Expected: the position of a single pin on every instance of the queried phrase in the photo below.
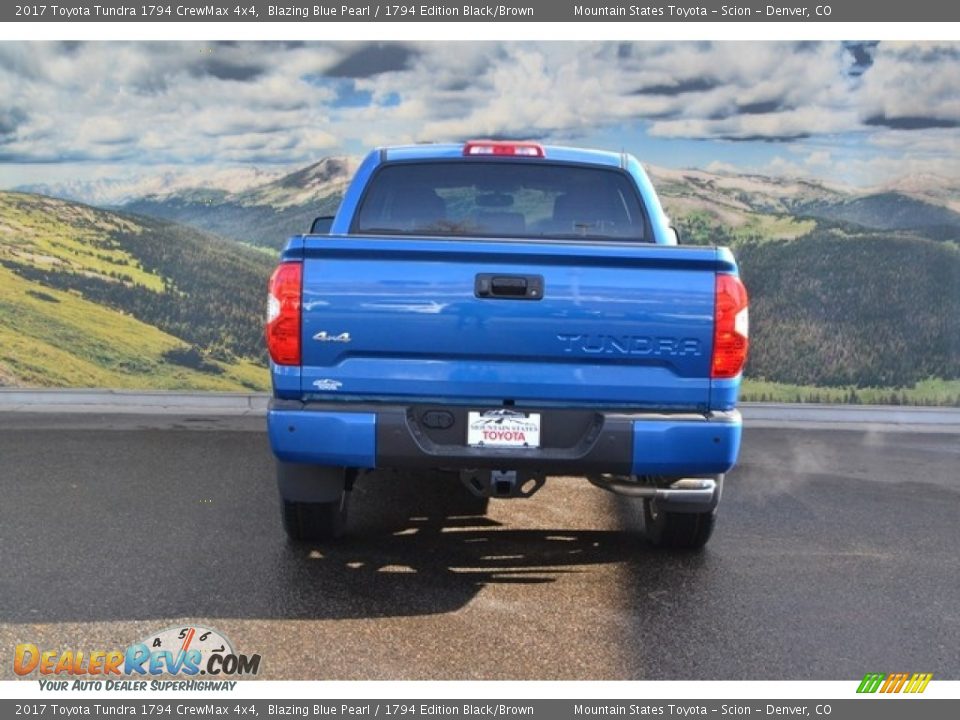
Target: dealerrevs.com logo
(186, 651)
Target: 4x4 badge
(324, 336)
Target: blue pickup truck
(505, 311)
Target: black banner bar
(480, 11)
(366, 709)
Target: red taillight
(731, 328)
(283, 314)
(500, 148)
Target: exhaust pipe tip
(682, 495)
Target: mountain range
(263, 215)
(709, 205)
(263, 208)
(755, 205)
(115, 191)
(849, 287)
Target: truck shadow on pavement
(424, 545)
(415, 547)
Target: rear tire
(315, 500)
(312, 521)
(677, 531)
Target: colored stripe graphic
(895, 683)
(870, 683)
(918, 683)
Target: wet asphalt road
(836, 553)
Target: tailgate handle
(511, 287)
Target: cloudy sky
(856, 113)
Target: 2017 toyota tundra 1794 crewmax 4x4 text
(505, 311)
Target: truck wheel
(305, 522)
(315, 501)
(677, 531)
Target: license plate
(503, 428)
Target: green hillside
(866, 310)
(90, 298)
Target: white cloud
(266, 103)
(913, 80)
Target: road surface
(836, 553)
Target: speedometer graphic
(182, 639)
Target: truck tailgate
(421, 320)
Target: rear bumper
(574, 442)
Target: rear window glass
(501, 199)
